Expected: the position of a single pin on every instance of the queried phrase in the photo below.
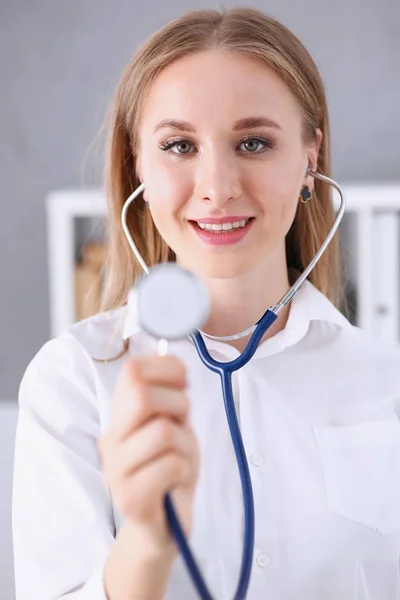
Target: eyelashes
(265, 143)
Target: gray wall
(59, 63)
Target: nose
(217, 179)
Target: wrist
(155, 547)
(139, 564)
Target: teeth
(225, 227)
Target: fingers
(143, 404)
(158, 457)
(157, 437)
(139, 495)
(148, 386)
(157, 370)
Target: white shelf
(371, 197)
(376, 246)
(63, 208)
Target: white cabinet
(372, 252)
(65, 209)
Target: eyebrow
(247, 123)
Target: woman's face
(220, 139)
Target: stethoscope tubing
(225, 371)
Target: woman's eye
(253, 145)
(182, 147)
(177, 147)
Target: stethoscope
(172, 304)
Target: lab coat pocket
(362, 472)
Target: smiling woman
(219, 137)
(222, 113)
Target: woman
(219, 115)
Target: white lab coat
(318, 407)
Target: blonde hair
(245, 31)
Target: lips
(222, 237)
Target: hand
(149, 448)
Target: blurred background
(59, 65)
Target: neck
(238, 303)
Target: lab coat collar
(308, 305)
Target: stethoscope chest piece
(172, 302)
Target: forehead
(215, 87)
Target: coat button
(256, 459)
(263, 560)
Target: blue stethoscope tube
(225, 371)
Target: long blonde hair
(244, 31)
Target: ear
(312, 155)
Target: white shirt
(318, 407)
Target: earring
(305, 195)
(147, 203)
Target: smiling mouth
(222, 234)
(225, 228)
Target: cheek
(288, 213)
(165, 189)
(280, 204)
(167, 193)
